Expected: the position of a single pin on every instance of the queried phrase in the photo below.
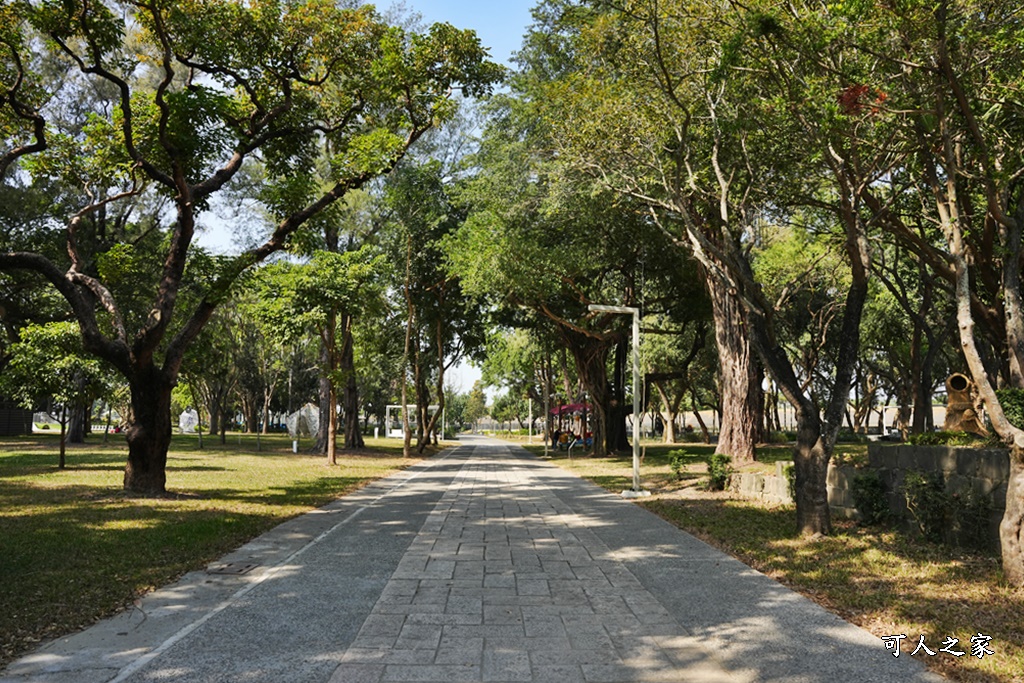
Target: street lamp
(636, 491)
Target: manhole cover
(230, 568)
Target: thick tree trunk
(76, 425)
(669, 420)
(439, 347)
(214, 411)
(616, 438)
(811, 457)
(669, 411)
(591, 358)
(149, 434)
(252, 419)
(742, 398)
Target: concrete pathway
(481, 564)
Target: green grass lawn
(75, 547)
(877, 578)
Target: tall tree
(199, 89)
(445, 325)
(722, 118)
(953, 70)
(564, 59)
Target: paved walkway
(482, 564)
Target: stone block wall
(774, 488)
(770, 488)
(983, 471)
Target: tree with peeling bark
(723, 118)
(200, 89)
(953, 72)
(565, 63)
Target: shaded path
(482, 564)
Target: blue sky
(499, 24)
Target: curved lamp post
(636, 491)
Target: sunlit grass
(75, 547)
(879, 579)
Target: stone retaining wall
(774, 488)
(983, 471)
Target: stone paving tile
(504, 583)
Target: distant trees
(49, 360)
(476, 404)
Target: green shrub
(869, 498)
(928, 503)
(944, 439)
(790, 472)
(719, 471)
(677, 461)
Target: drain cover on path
(231, 568)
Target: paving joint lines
(504, 582)
(482, 564)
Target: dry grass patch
(76, 548)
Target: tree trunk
(591, 356)
(1011, 529)
(253, 418)
(214, 409)
(410, 310)
(329, 336)
(149, 434)
(811, 457)
(742, 414)
(76, 424)
(670, 411)
(617, 409)
(439, 343)
(332, 428)
(268, 396)
(669, 420)
(422, 393)
(350, 397)
(704, 433)
(322, 437)
(62, 460)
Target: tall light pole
(636, 491)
